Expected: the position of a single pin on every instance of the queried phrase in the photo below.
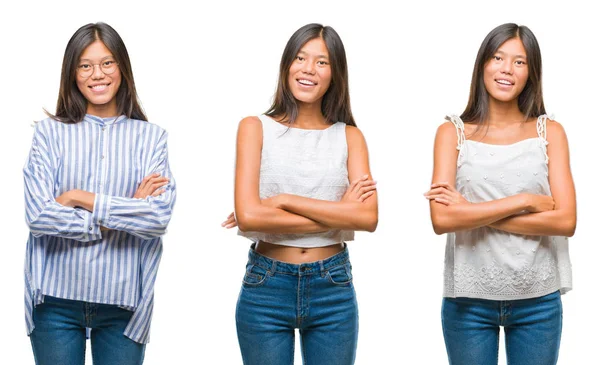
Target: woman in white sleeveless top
(302, 187)
(503, 191)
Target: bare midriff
(297, 255)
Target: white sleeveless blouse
(491, 264)
(305, 162)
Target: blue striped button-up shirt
(68, 255)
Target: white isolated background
(201, 68)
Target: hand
(230, 222)
(445, 193)
(104, 229)
(65, 199)
(151, 186)
(360, 189)
(539, 203)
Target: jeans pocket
(340, 275)
(255, 275)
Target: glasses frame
(86, 74)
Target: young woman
(504, 194)
(99, 195)
(294, 200)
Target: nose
(97, 72)
(507, 67)
(308, 67)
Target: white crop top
(305, 162)
(488, 263)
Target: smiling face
(506, 73)
(98, 88)
(310, 73)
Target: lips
(504, 82)
(306, 82)
(99, 87)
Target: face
(505, 74)
(98, 87)
(310, 73)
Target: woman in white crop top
(504, 194)
(302, 187)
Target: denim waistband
(308, 268)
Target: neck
(310, 115)
(103, 111)
(504, 112)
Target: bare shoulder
(446, 134)
(354, 136)
(250, 122)
(554, 128)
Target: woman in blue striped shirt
(99, 195)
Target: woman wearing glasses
(504, 194)
(294, 200)
(99, 195)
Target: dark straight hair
(335, 105)
(72, 105)
(530, 101)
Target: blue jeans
(318, 298)
(532, 329)
(59, 334)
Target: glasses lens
(108, 66)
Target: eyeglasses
(107, 67)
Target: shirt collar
(104, 121)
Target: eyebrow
(102, 59)
(516, 56)
(318, 56)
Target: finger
(436, 191)
(147, 178)
(442, 201)
(366, 189)
(158, 192)
(366, 195)
(362, 184)
(234, 224)
(353, 184)
(445, 185)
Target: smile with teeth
(101, 87)
(504, 82)
(306, 82)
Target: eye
(85, 66)
(520, 63)
(497, 58)
(108, 63)
(300, 58)
(322, 63)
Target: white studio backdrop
(201, 68)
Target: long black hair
(335, 105)
(72, 105)
(531, 101)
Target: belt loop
(322, 267)
(273, 266)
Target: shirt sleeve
(145, 218)
(43, 214)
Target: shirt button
(102, 157)
(518, 252)
(103, 128)
(89, 228)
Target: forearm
(47, 216)
(458, 217)
(145, 218)
(360, 216)
(550, 223)
(261, 218)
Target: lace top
(488, 263)
(305, 162)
